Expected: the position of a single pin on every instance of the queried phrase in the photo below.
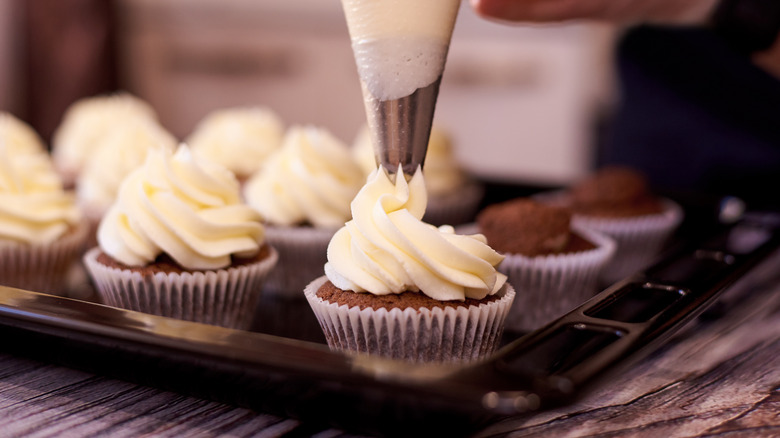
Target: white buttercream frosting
(18, 137)
(87, 122)
(311, 179)
(386, 248)
(443, 174)
(34, 208)
(399, 45)
(120, 152)
(181, 206)
(240, 139)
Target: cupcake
(18, 137)
(303, 194)
(84, 125)
(178, 242)
(616, 201)
(116, 154)
(399, 288)
(240, 138)
(552, 263)
(41, 228)
(453, 197)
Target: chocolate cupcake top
(614, 191)
(184, 207)
(524, 226)
(34, 208)
(310, 180)
(387, 249)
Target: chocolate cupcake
(551, 263)
(179, 243)
(303, 193)
(616, 201)
(399, 288)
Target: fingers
(536, 10)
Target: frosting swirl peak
(188, 209)
(386, 248)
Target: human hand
(618, 11)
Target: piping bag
(400, 49)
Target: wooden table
(719, 377)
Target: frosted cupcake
(453, 197)
(552, 264)
(116, 154)
(616, 201)
(397, 287)
(41, 229)
(84, 125)
(303, 194)
(240, 139)
(178, 242)
(18, 137)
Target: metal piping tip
(400, 128)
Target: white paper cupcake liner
(454, 208)
(42, 268)
(302, 257)
(461, 334)
(549, 286)
(639, 240)
(225, 297)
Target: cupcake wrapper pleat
(548, 287)
(42, 268)
(302, 257)
(418, 335)
(225, 297)
(455, 208)
(639, 240)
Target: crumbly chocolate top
(524, 226)
(415, 300)
(614, 191)
(165, 264)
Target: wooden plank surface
(719, 377)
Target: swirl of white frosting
(119, 153)
(443, 174)
(188, 209)
(313, 178)
(18, 137)
(386, 248)
(240, 139)
(34, 208)
(87, 122)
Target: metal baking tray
(282, 365)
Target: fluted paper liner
(639, 239)
(302, 257)
(224, 297)
(454, 208)
(42, 268)
(461, 334)
(549, 286)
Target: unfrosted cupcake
(84, 125)
(552, 264)
(240, 138)
(303, 194)
(453, 197)
(616, 201)
(178, 242)
(116, 154)
(397, 287)
(18, 137)
(41, 229)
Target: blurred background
(524, 105)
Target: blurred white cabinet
(518, 101)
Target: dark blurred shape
(70, 54)
(696, 115)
